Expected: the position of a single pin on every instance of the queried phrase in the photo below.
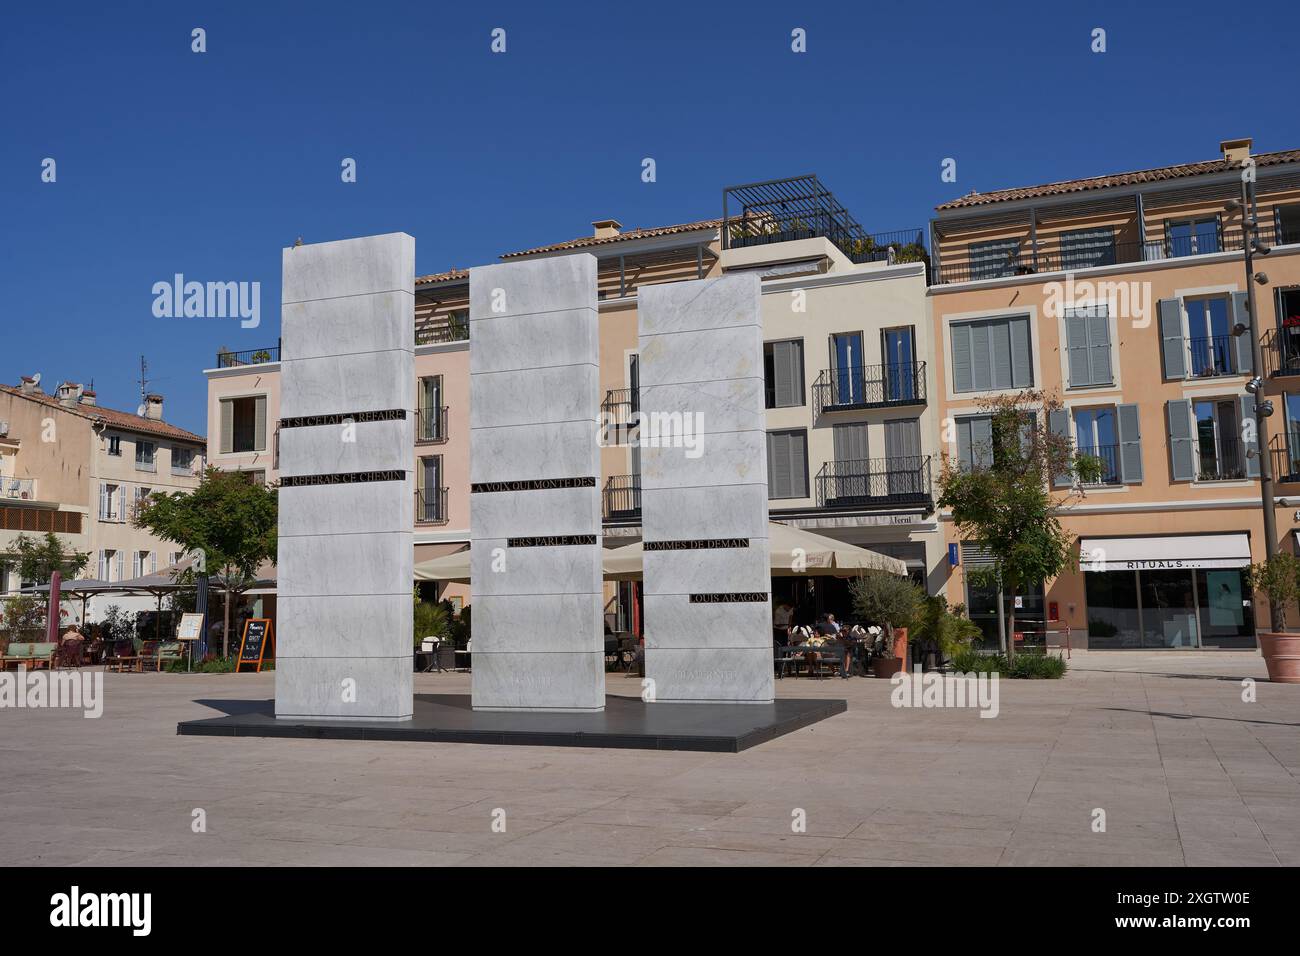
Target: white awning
(1164, 552)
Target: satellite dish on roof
(36, 378)
(141, 411)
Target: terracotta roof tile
(583, 241)
(448, 276)
(1118, 179)
(111, 416)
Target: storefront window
(1173, 608)
(982, 606)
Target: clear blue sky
(208, 164)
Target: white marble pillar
(344, 624)
(708, 616)
(535, 486)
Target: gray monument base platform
(625, 723)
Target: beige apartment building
(851, 441)
(1125, 295)
(77, 469)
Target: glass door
(847, 368)
(900, 368)
(1169, 617)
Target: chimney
(68, 394)
(88, 396)
(31, 384)
(606, 228)
(153, 407)
(1236, 150)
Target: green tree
(228, 521)
(889, 600)
(38, 558)
(1279, 578)
(1004, 499)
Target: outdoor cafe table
(834, 646)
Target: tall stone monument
(346, 550)
(708, 616)
(534, 486)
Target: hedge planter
(1281, 656)
(889, 666)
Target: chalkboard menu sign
(253, 648)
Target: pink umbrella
(52, 611)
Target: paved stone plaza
(1186, 772)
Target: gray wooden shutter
(1058, 420)
(981, 361)
(1022, 369)
(259, 423)
(1076, 349)
(1245, 341)
(981, 441)
(795, 359)
(1130, 443)
(1182, 457)
(786, 369)
(964, 444)
(850, 441)
(1099, 347)
(1000, 353)
(903, 438)
(227, 426)
(963, 376)
(1171, 338)
(1249, 449)
(778, 465)
(798, 464)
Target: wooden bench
(34, 656)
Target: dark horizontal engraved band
(737, 597)
(344, 478)
(306, 421)
(555, 540)
(696, 544)
(537, 484)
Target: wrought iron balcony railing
(875, 481)
(1108, 456)
(869, 386)
(1281, 350)
(227, 359)
(430, 425)
(451, 327)
(1223, 459)
(1066, 256)
(621, 498)
(1213, 355)
(431, 506)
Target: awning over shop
(1160, 552)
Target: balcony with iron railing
(430, 425)
(1223, 459)
(1213, 355)
(22, 489)
(1281, 348)
(1285, 452)
(228, 359)
(1108, 470)
(892, 384)
(621, 498)
(436, 330)
(874, 482)
(1053, 254)
(431, 506)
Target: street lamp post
(1263, 407)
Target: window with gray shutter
(227, 426)
(993, 260)
(903, 456)
(1130, 443)
(787, 464)
(1058, 421)
(1172, 342)
(974, 442)
(1182, 456)
(1087, 344)
(259, 423)
(783, 369)
(850, 441)
(991, 354)
(1086, 248)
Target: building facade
(1125, 296)
(79, 469)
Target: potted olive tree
(1278, 577)
(892, 602)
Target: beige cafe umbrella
(794, 551)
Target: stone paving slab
(1186, 771)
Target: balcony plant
(1278, 576)
(893, 602)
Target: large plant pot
(1281, 656)
(889, 666)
